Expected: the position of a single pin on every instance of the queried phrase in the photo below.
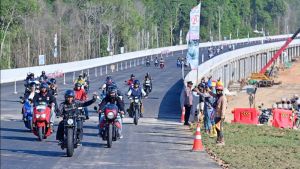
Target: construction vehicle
(264, 78)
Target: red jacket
(130, 82)
(80, 95)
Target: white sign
(42, 59)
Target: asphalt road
(159, 141)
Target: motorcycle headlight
(37, 116)
(136, 100)
(110, 115)
(70, 121)
(43, 115)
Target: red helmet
(219, 87)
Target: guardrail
(12, 75)
(208, 67)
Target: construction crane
(264, 79)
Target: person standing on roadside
(188, 102)
(220, 114)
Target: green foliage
(135, 24)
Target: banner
(42, 59)
(193, 37)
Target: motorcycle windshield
(41, 108)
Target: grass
(257, 147)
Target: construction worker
(220, 114)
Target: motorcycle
(156, 63)
(136, 109)
(27, 113)
(73, 130)
(41, 121)
(147, 86)
(110, 124)
(162, 65)
(148, 63)
(264, 115)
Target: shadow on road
(19, 138)
(38, 152)
(15, 130)
(169, 109)
(100, 144)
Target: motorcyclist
(136, 91)
(30, 78)
(80, 80)
(80, 95)
(52, 87)
(111, 97)
(131, 80)
(50, 100)
(147, 81)
(108, 82)
(156, 61)
(148, 61)
(69, 104)
(161, 61)
(87, 81)
(29, 94)
(178, 62)
(43, 77)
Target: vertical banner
(194, 38)
(55, 46)
(42, 60)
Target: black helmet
(132, 75)
(80, 75)
(136, 82)
(111, 90)
(69, 93)
(43, 72)
(44, 85)
(31, 74)
(52, 81)
(77, 85)
(108, 78)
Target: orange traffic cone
(197, 141)
(182, 114)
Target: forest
(72, 30)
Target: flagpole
(197, 79)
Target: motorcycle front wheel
(40, 134)
(136, 117)
(70, 142)
(109, 135)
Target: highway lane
(157, 142)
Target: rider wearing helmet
(112, 98)
(69, 104)
(80, 80)
(52, 87)
(108, 82)
(136, 91)
(81, 96)
(43, 77)
(147, 82)
(46, 97)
